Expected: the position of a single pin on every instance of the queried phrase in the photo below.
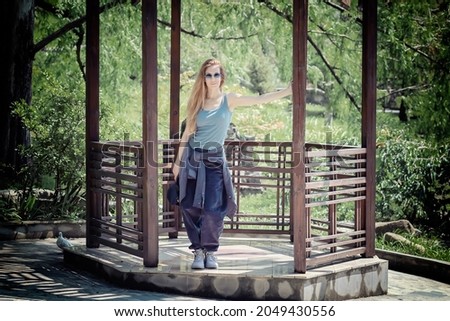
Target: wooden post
(175, 68)
(150, 131)
(300, 32)
(92, 109)
(368, 128)
(175, 59)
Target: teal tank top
(212, 127)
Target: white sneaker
(211, 261)
(199, 259)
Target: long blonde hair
(198, 94)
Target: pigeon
(62, 242)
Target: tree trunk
(17, 24)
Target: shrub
(55, 158)
(413, 180)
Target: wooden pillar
(150, 131)
(175, 58)
(175, 61)
(92, 109)
(368, 129)
(300, 32)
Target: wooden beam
(92, 108)
(150, 131)
(300, 33)
(368, 128)
(175, 58)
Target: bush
(55, 158)
(413, 180)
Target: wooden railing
(116, 171)
(335, 192)
(261, 172)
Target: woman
(206, 190)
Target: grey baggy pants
(205, 225)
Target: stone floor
(35, 270)
(250, 269)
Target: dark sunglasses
(216, 75)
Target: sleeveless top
(212, 127)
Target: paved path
(34, 270)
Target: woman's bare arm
(236, 100)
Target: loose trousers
(204, 226)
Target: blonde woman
(206, 190)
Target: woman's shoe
(199, 260)
(211, 261)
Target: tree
(17, 23)
(19, 50)
(415, 63)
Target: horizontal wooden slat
(118, 246)
(119, 146)
(336, 182)
(231, 143)
(347, 162)
(340, 226)
(260, 169)
(285, 178)
(163, 230)
(113, 193)
(245, 184)
(119, 168)
(169, 213)
(254, 231)
(281, 221)
(345, 191)
(331, 257)
(134, 188)
(335, 172)
(113, 233)
(166, 220)
(335, 244)
(242, 215)
(109, 157)
(98, 222)
(309, 146)
(331, 237)
(336, 201)
(336, 152)
(261, 155)
(121, 176)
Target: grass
(434, 247)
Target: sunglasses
(216, 75)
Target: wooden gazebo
(125, 206)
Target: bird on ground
(62, 242)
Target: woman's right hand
(175, 171)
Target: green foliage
(413, 180)
(261, 76)
(56, 122)
(434, 247)
(7, 212)
(415, 61)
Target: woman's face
(213, 77)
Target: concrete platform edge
(353, 279)
(416, 265)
